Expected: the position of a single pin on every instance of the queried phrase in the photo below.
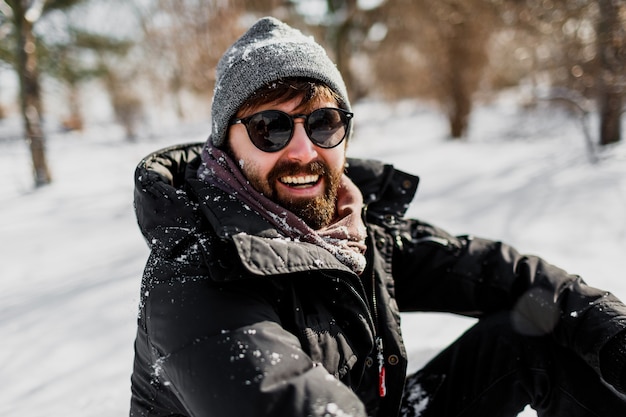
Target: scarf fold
(344, 237)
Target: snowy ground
(71, 254)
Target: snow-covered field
(71, 255)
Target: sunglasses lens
(269, 130)
(327, 127)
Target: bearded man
(279, 268)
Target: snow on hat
(270, 50)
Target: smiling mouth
(300, 181)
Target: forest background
(69, 64)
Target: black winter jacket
(235, 320)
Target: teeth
(307, 179)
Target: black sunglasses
(271, 130)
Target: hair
(310, 92)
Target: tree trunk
(459, 115)
(75, 119)
(460, 90)
(612, 59)
(459, 96)
(341, 43)
(610, 116)
(31, 99)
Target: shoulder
(166, 212)
(167, 165)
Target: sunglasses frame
(292, 118)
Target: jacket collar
(262, 250)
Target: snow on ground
(71, 254)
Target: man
(278, 270)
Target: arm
(439, 272)
(221, 350)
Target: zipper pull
(382, 386)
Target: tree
(341, 27)
(462, 33)
(84, 56)
(21, 16)
(79, 57)
(184, 39)
(579, 45)
(344, 28)
(611, 45)
(436, 49)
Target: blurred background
(71, 64)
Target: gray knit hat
(270, 50)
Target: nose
(300, 148)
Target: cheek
(254, 166)
(252, 162)
(335, 158)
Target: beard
(317, 212)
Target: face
(301, 177)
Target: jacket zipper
(380, 357)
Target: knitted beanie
(270, 50)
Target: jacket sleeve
(222, 351)
(434, 271)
